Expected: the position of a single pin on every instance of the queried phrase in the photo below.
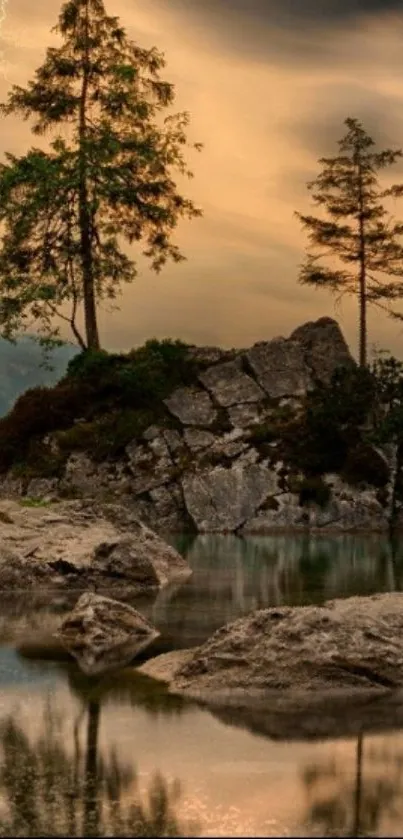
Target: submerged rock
(103, 634)
(73, 545)
(346, 646)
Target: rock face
(324, 347)
(192, 406)
(71, 545)
(210, 471)
(103, 634)
(350, 645)
(223, 499)
(230, 385)
(280, 367)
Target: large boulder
(223, 499)
(192, 406)
(324, 347)
(230, 385)
(102, 633)
(73, 545)
(346, 646)
(279, 367)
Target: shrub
(314, 490)
(107, 437)
(36, 413)
(364, 464)
(266, 432)
(333, 421)
(113, 395)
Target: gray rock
(79, 473)
(324, 347)
(245, 415)
(192, 406)
(103, 634)
(167, 508)
(42, 488)
(197, 438)
(230, 385)
(279, 367)
(209, 355)
(230, 445)
(174, 442)
(352, 645)
(151, 432)
(286, 514)
(223, 499)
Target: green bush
(314, 491)
(91, 364)
(114, 395)
(333, 421)
(266, 432)
(107, 437)
(364, 464)
(36, 413)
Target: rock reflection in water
(233, 576)
(49, 791)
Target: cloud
(268, 86)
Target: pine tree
(358, 230)
(64, 211)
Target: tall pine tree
(64, 212)
(358, 230)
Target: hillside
(281, 435)
(20, 368)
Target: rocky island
(208, 439)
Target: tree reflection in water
(48, 791)
(339, 805)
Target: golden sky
(268, 89)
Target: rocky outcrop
(280, 367)
(353, 645)
(222, 500)
(103, 634)
(71, 544)
(323, 347)
(192, 406)
(210, 470)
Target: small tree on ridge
(358, 231)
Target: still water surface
(121, 757)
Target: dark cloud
(307, 11)
(280, 30)
(322, 124)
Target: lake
(120, 756)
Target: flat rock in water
(103, 634)
(72, 545)
(353, 645)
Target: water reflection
(358, 805)
(49, 791)
(80, 770)
(233, 576)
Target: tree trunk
(363, 319)
(362, 292)
(90, 313)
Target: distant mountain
(20, 368)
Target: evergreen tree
(64, 211)
(358, 230)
